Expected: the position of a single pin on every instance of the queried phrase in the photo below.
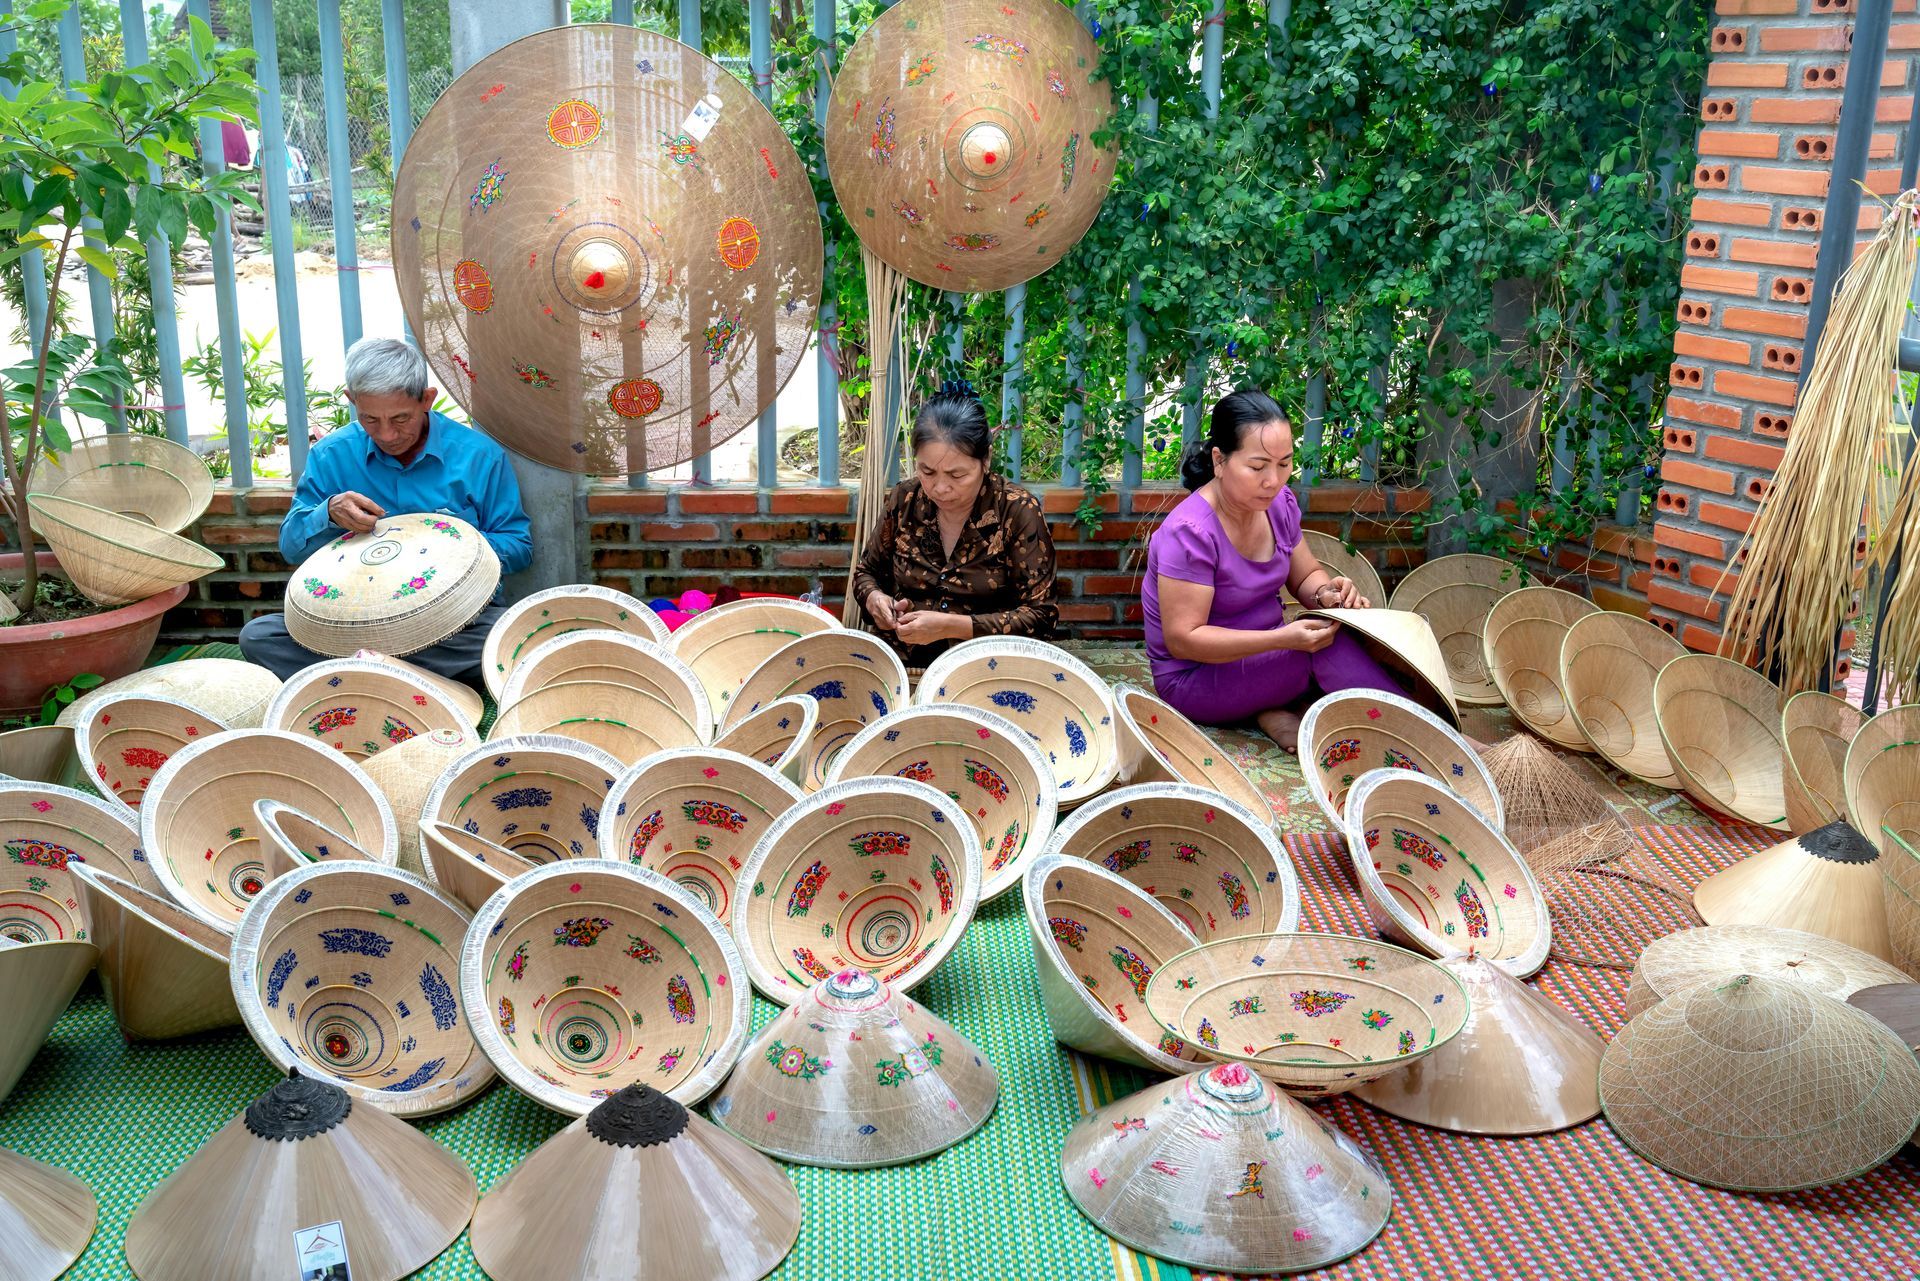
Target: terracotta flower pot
(110, 644)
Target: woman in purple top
(1217, 633)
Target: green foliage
(265, 389)
(60, 697)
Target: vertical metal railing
(827, 444)
(760, 62)
(1013, 392)
(226, 300)
(346, 256)
(272, 162)
(166, 314)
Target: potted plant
(87, 170)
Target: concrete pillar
(556, 501)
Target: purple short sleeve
(1183, 551)
(1285, 512)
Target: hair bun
(958, 387)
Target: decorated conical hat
(537, 795)
(1715, 953)
(40, 754)
(145, 478)
(1761, 1085)
(1608, 664)
(1817, 729)
(1059, 701)
(1720, 722)
(1881, 777)
(694, 815)
(779, 735)
(611, 716)
(1263, 1184)
(408, 585)
(593, 975)
(466, 866)
(1521, 1065)
(1158, 744)
(608, 248)
(1525, 631)
(1435, 873)
(1341, 563)
(304, 1154)
(534, 620)
(1351, 732)
(1404, 644)
(726, 644)
(124, 740)
(643, 666)
(1455, 594)
(234, 692)
(875, 874)
(164, 969)
(855, 1074)
(349, 972)
(198, 827)
(1317, 1014)
(46, 1215)
(1210, 862)
(855, 678)
(362, 708)
(1826, 882)
(36, 982)
(694, 1202)
(1084, 919)
(302, 840)
(114, 559)
(44, 830)
(984, 761)
(463, 697)
(406, 773)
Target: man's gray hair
(383, 366)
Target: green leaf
(99, 260)
(87, 680)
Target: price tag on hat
(321, 1252)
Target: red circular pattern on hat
(739, 243)
(472, 285)
(635, 398)
(573, 124)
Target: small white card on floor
(322, 1253)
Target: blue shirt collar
(437, 425)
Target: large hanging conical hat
(304, 1154)
(1881, 777)
(164, 969)
(608, 248)
(1717, 952)
(1826, 882)
(960, 140)
(1525, 631)
(1455, 594)
(639, 1189)
(468, 867)
(1158, 744)
(538, 795)
(1817, 729)
(141, 477)
(40, 754)
(1608, 664)
(1218, 1170)
(1720, 722)
(230, 690)
(43, 831)
(123, 741)
(46, 1216)
(644, 666)
(726, 644)
(409, 584)
(854, 678)
(113, 559)
(36, 982)
(464, 697)
(1341, 563)
(405, 775)
(1760, 1085)
(1404, 644)
(362, 708)
(855, 1074)
(1351, 732)
(779, 736)
(534, 620)
(1521, 1065)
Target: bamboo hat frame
(1608, 664)
(1211, 863)
(610, 716)
(779, 736)
(1525, 633)
(644, 666)
(879, 874)
(463, 697)
(40, 754)
(1720, 722)
(1817, 729)
(1455, 594)
(44, 831)
(590, 975)
(1157, 744)
(164, 969)
(233, 692)
(144, 478)
(123, 741)
(1826, 882)
(983, 761)
(1352, 732)
(1341, 563)
(467, 867)
(1715, 953)
(726, 644)
(536, 795)
(362, 708)
(37, 980)
(46, 1215)
(855, 679)
(406, 586)
(1404, 644)
(113, 559)
(1881, 777)
(533, 620)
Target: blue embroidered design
(523, 797)
(892, 736)
(303, 896)
(277, 979)
(1017, 700)
(471, 828)
(432, 986)
(829, 689)
(590, 819)
(361, 942)
(1076, 739)
(418, 1077)
(879, 703)
(400, 900)
(363, 979)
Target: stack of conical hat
(726, 644)
(164, 969)
(1881, 778)
(537, 795)
(123, 741)
(145, 478)
(853, 678)
(363, 708)
(534, 620)
(1720, 722)
(1608, 665)
(408, 584)
(46, 1218)
(114, 559)
(641, 667)
(1817, 729)
(1715, 953)
(1525, 632)
(234, 692)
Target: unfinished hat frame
(728, 643)
(853, 678)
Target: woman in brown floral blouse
(959, 552)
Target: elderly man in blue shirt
(399, 457)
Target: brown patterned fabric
(1001, 571)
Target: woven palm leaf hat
(37, 980)
(854, 1074)
(691, 1199)
(163, 968)
(1455, 594)
(1210, 862)
(234, 692)
(409, 584)
(1720, 722)
(301, 840)
(1265, 1185)
(1521, 1065)
(1717, 952)
(1158, 744)
(405, 774)
(1827, 882)
(114, 559)
(467, 867)
(143, 478)
(537, 795)
(44, 830)
(1901, 886)
(983, 761)
(304, 1153)
(590, 975)
(1097, 939)
(361, 707)
(610, 716)
(608, 247)
(1341, 563)
(1404, 644)
(1436, 874)
(622, 659)
(1761, 1085)
(1817, 729)
(694, 815)
(960, 138)
(875, 874)
(726, 644)
(1061, 703)
(40, 754)
(533, 620)
(1608, 664)
(1317, 1014)
(464, 697)
(856, 679)
(349, 972)
(1881, 777)
(779, 735)
(124, 740)
(199, 829)
(1525, 632)
(1352, 732)
(46, 1216)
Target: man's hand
(355, 513)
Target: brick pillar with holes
(1768, 116)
